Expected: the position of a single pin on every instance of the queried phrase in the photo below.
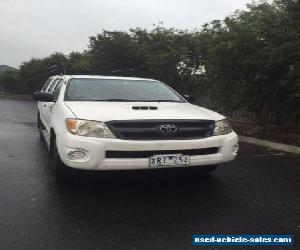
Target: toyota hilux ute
(123, 123)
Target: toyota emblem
(168, 128)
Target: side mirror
(43, 97)
(190, 98)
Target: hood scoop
(144, 108)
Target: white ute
(121, 123)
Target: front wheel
(62, 172)
(39, 125)
(201, 170)
(41, 135)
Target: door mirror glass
(189, 98)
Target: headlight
(222, 127)
(88, 128)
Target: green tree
(113, 50)
(34, 73)
(10, 82)
(79, 61)
(157, 54)
(249, 61)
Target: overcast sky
(37, 28)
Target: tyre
(209, 169)
(38, 121)
(201, 170)
(39, 125)
(62, 172)
(41, 135)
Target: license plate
(169, 160)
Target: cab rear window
(46, 84)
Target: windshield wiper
(126, 100)
(160, 100)
(113, 100)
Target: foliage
(9, 81)
(249, 61)
(149, 54)
(253, 59)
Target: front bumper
(95, 151)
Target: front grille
(144, 108)
(146, 154)
(151, 129)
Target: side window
(57, 89)
(46, 84)
(52, 85)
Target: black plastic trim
(147, 154)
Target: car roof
(103, 77)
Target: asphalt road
(258, 193)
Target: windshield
(119, 90)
